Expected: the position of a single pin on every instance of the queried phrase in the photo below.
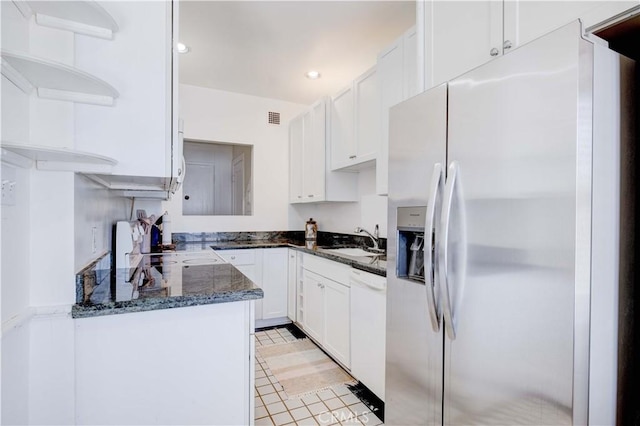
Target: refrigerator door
(515, 247)
(414, 350)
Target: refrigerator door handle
(444, 252)
(430, 229)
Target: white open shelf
(82, 17)
(54, 80)
(55, 159)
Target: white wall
(96, 207)
(214, 115)
(371, 209)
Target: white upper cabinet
(309, 178)
(525, 21)
(410, 86)
(367, 116)
(398, 80)
(314, 151)
(355, 123)
(461, 35)
(141, 130)
(342, 136)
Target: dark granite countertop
(161, 282)
(373, 264)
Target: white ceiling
(264, 48)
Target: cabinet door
(137, 130)
(251, 272)
(296, 140)
(292, 280)
(313, 306)
(274, 282)
(249, 263)
(337, 313)
(342, 141)
(390, 71)
(525, 21)
(461, 36)
(314, 152)
(367, 116)
(410, 63)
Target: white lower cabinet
(327, 306)
(313, 306)
(268, 269)
(294, 286)
(169, 366)
(337, 315)
(274, 282)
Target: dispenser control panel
(412, 217)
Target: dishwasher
(368, 329)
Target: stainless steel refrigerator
(506, 249)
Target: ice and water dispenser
(410, 229)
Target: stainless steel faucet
(375, 237)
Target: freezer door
(413, 383)
(517, 215)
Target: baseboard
(271, 322)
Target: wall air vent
(274, 117)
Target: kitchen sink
(358, 252)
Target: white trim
(24, 8)
(16, 78)
(14, 159)
(34, 312)
(85, 98)
(74, 26)
(77, 167)
(18, 320)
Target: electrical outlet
(94, 243)
(8, 193)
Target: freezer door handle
(443, 250)
(431, 232)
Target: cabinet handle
(299, 196)
(233, 257)
(507, 45)
(494, 52)
(186, 197)
(310, 195)
(351, 157)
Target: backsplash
(295, 237)
(91, 278)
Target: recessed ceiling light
(183, 48)
(313, 75)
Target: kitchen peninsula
(170, 344)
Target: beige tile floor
(334, 406)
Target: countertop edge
(337, 258)
(143, 305)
